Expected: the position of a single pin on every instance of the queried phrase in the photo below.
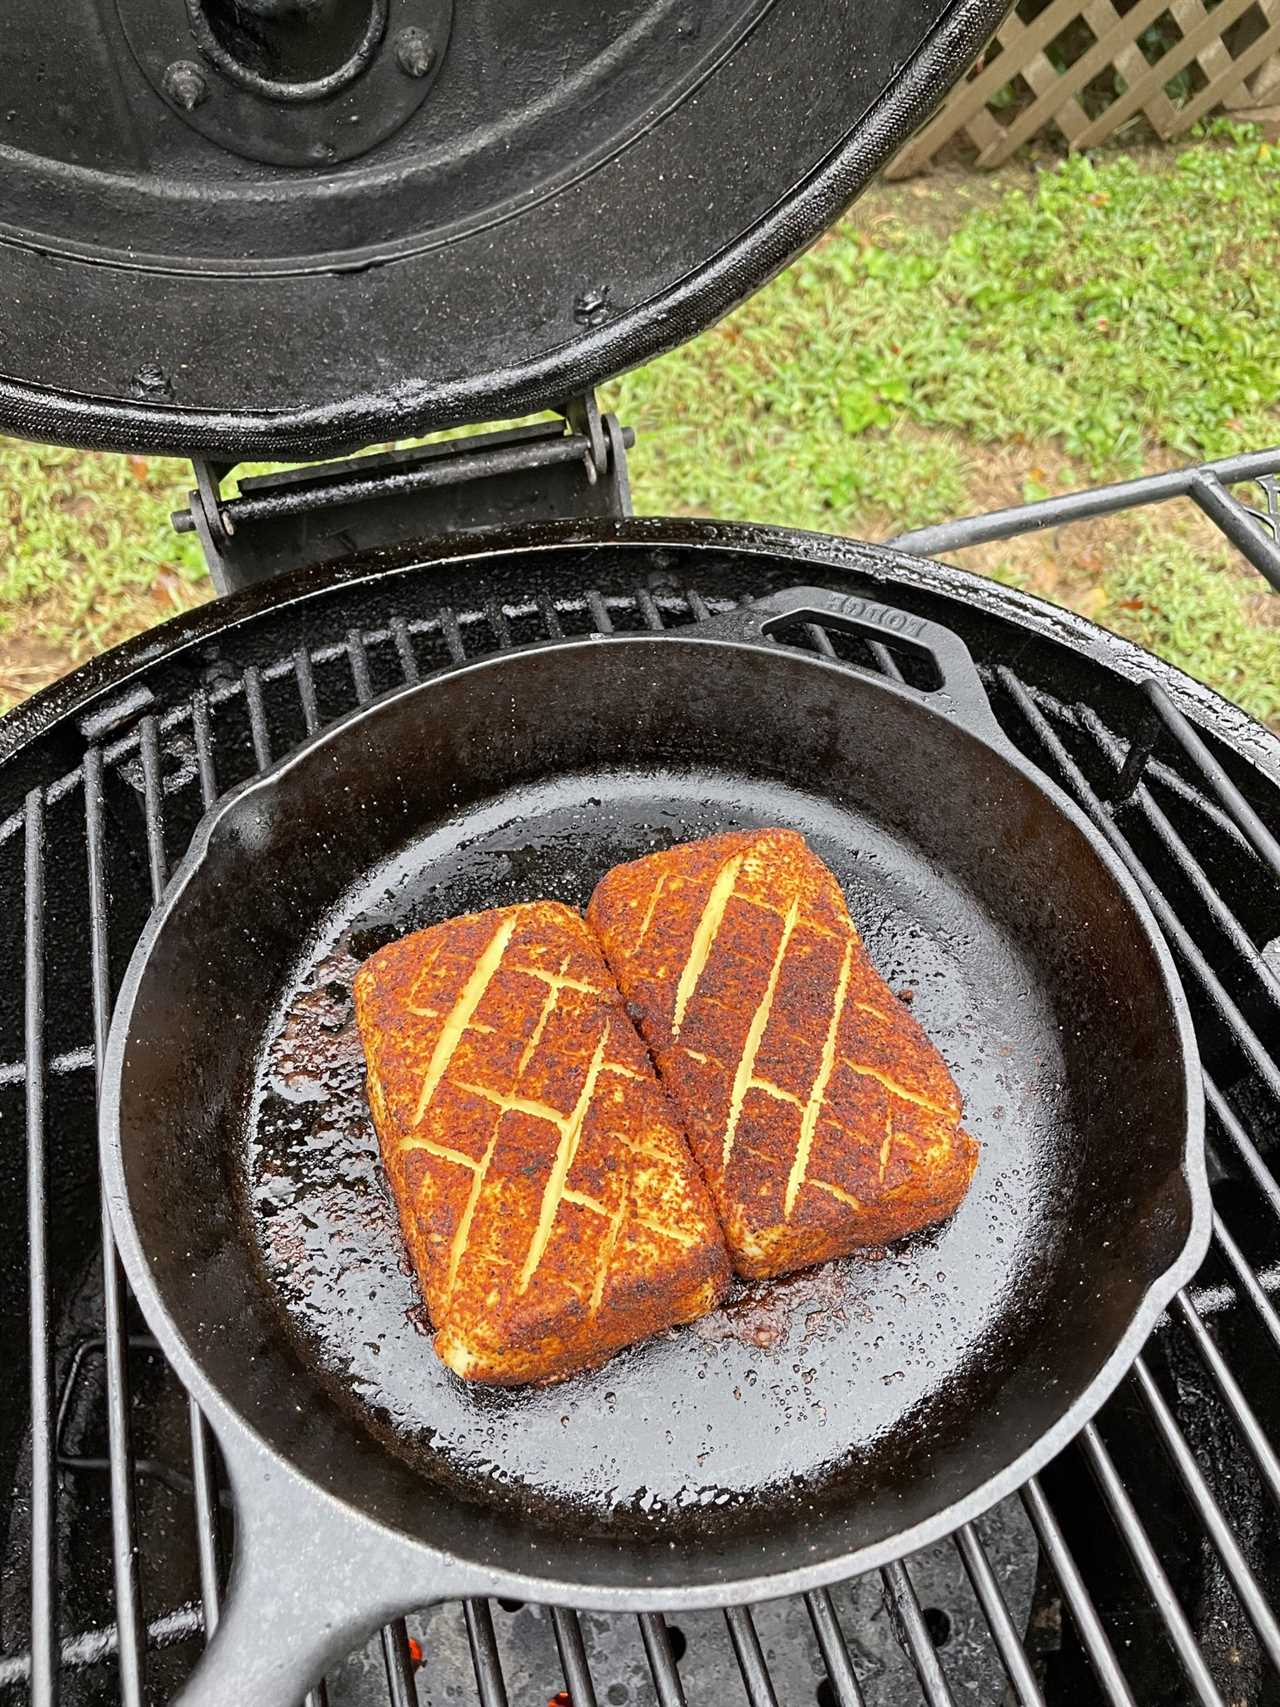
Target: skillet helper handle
(310, 1582)
(961, 694)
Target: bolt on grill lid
(282, 228)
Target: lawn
(957, 343)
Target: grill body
(1150, 1539)
(896, 1396)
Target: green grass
(1165, 595)
(1097, 318)
(1117, 311)
(86, 556)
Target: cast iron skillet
(800, 1435)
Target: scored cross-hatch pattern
(818, 1094)
(723, 890)
(708, 928)
(462, 1013)
(755, 1031)
(569, 1127)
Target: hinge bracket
(576, 466)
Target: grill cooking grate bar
(401, 1689)
(913, 1633)
(204, 1478)
(202, 734)
(306, 691)
(573, 1657)
(1147, 1560)
(1264, 843)
(1241, 1412)
(1092, 1632)
(124, 1554)
(1243, 1144)
(257, 691)
(484, 1653)
(750, 1657)
(1210, 1513)
(208, 1538)
(89, 1648)
(404, 649)
(257, 717)
(834, 1649)
(44, 1576)
(1013, 1656)
(662, 1665)
(1248, 1280)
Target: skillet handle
(310, 1582)
(961, 696)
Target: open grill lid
(284, 228)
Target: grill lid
(284, 228)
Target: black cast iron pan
(801, 1434)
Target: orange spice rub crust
(549, 1202)
(820, 1113)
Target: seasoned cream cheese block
(821, 1115)
(548, 1199)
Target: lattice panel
(1080, 70)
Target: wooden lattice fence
(1088, 68)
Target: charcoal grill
(1142, 1566)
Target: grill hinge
(576, 466)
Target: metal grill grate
(1153, 1540)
